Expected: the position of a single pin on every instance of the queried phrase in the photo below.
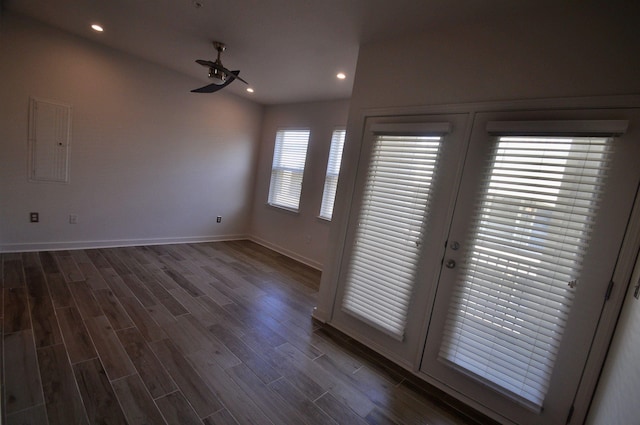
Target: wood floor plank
(184, 283)
(137, 404)
(269, 402)
(91, 274)
(75, 335)
(338, 411)
(133, 265)
(240, 404)
(43, 319)
(12, 274)
(177, 411)
(142, 319)
(377, 417)
(117, 285)
(153, 374)
(138, 288)
(16, 310)
(311, 413)
(347, 361)
(192, 305)
(187, 336)
(343, 389)
(22, 385)
(114, 358)
(112, 308)
(190, 383)
(312, 380)
(166, 298)
(257, 364)
(136, 253)
(48, 262)
(222, 417)
(211, 290)
(110, 255)
(59, 290)
(85, 301)
(98, 397)
(219, 316)
(97, 259)
(36, 415)
(161, 315)
(62, 399)
(68, 267)
(3, 408)
(164, 279)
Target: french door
(401, 210)
(499, 286)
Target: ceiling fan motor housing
(217, 76)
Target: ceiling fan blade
(206, 63)
(211, 88)
(236, 73)
(208, 89)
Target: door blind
(289, 156)
(525, 252)
(390, 227)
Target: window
(289, 156)
(333, 170)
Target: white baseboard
(60, 246)
(68, 245)
(304, 260)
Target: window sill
(324, 219)
(284, 209)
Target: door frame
(345, 192)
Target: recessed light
(249, 89)
(97, 28)
(341, 75)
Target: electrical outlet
(34, 217)
(219, 219)
(73, 218)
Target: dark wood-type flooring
(213, 333)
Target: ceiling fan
(220, 75)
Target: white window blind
(289, 157)
(333, 170)
(391, 222)
(526, 247)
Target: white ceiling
(288, 50)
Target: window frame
(296, 155)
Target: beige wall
(149, 161)
(575, 49)
(300, 235)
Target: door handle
(450, 264)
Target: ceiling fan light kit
(220, 75)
